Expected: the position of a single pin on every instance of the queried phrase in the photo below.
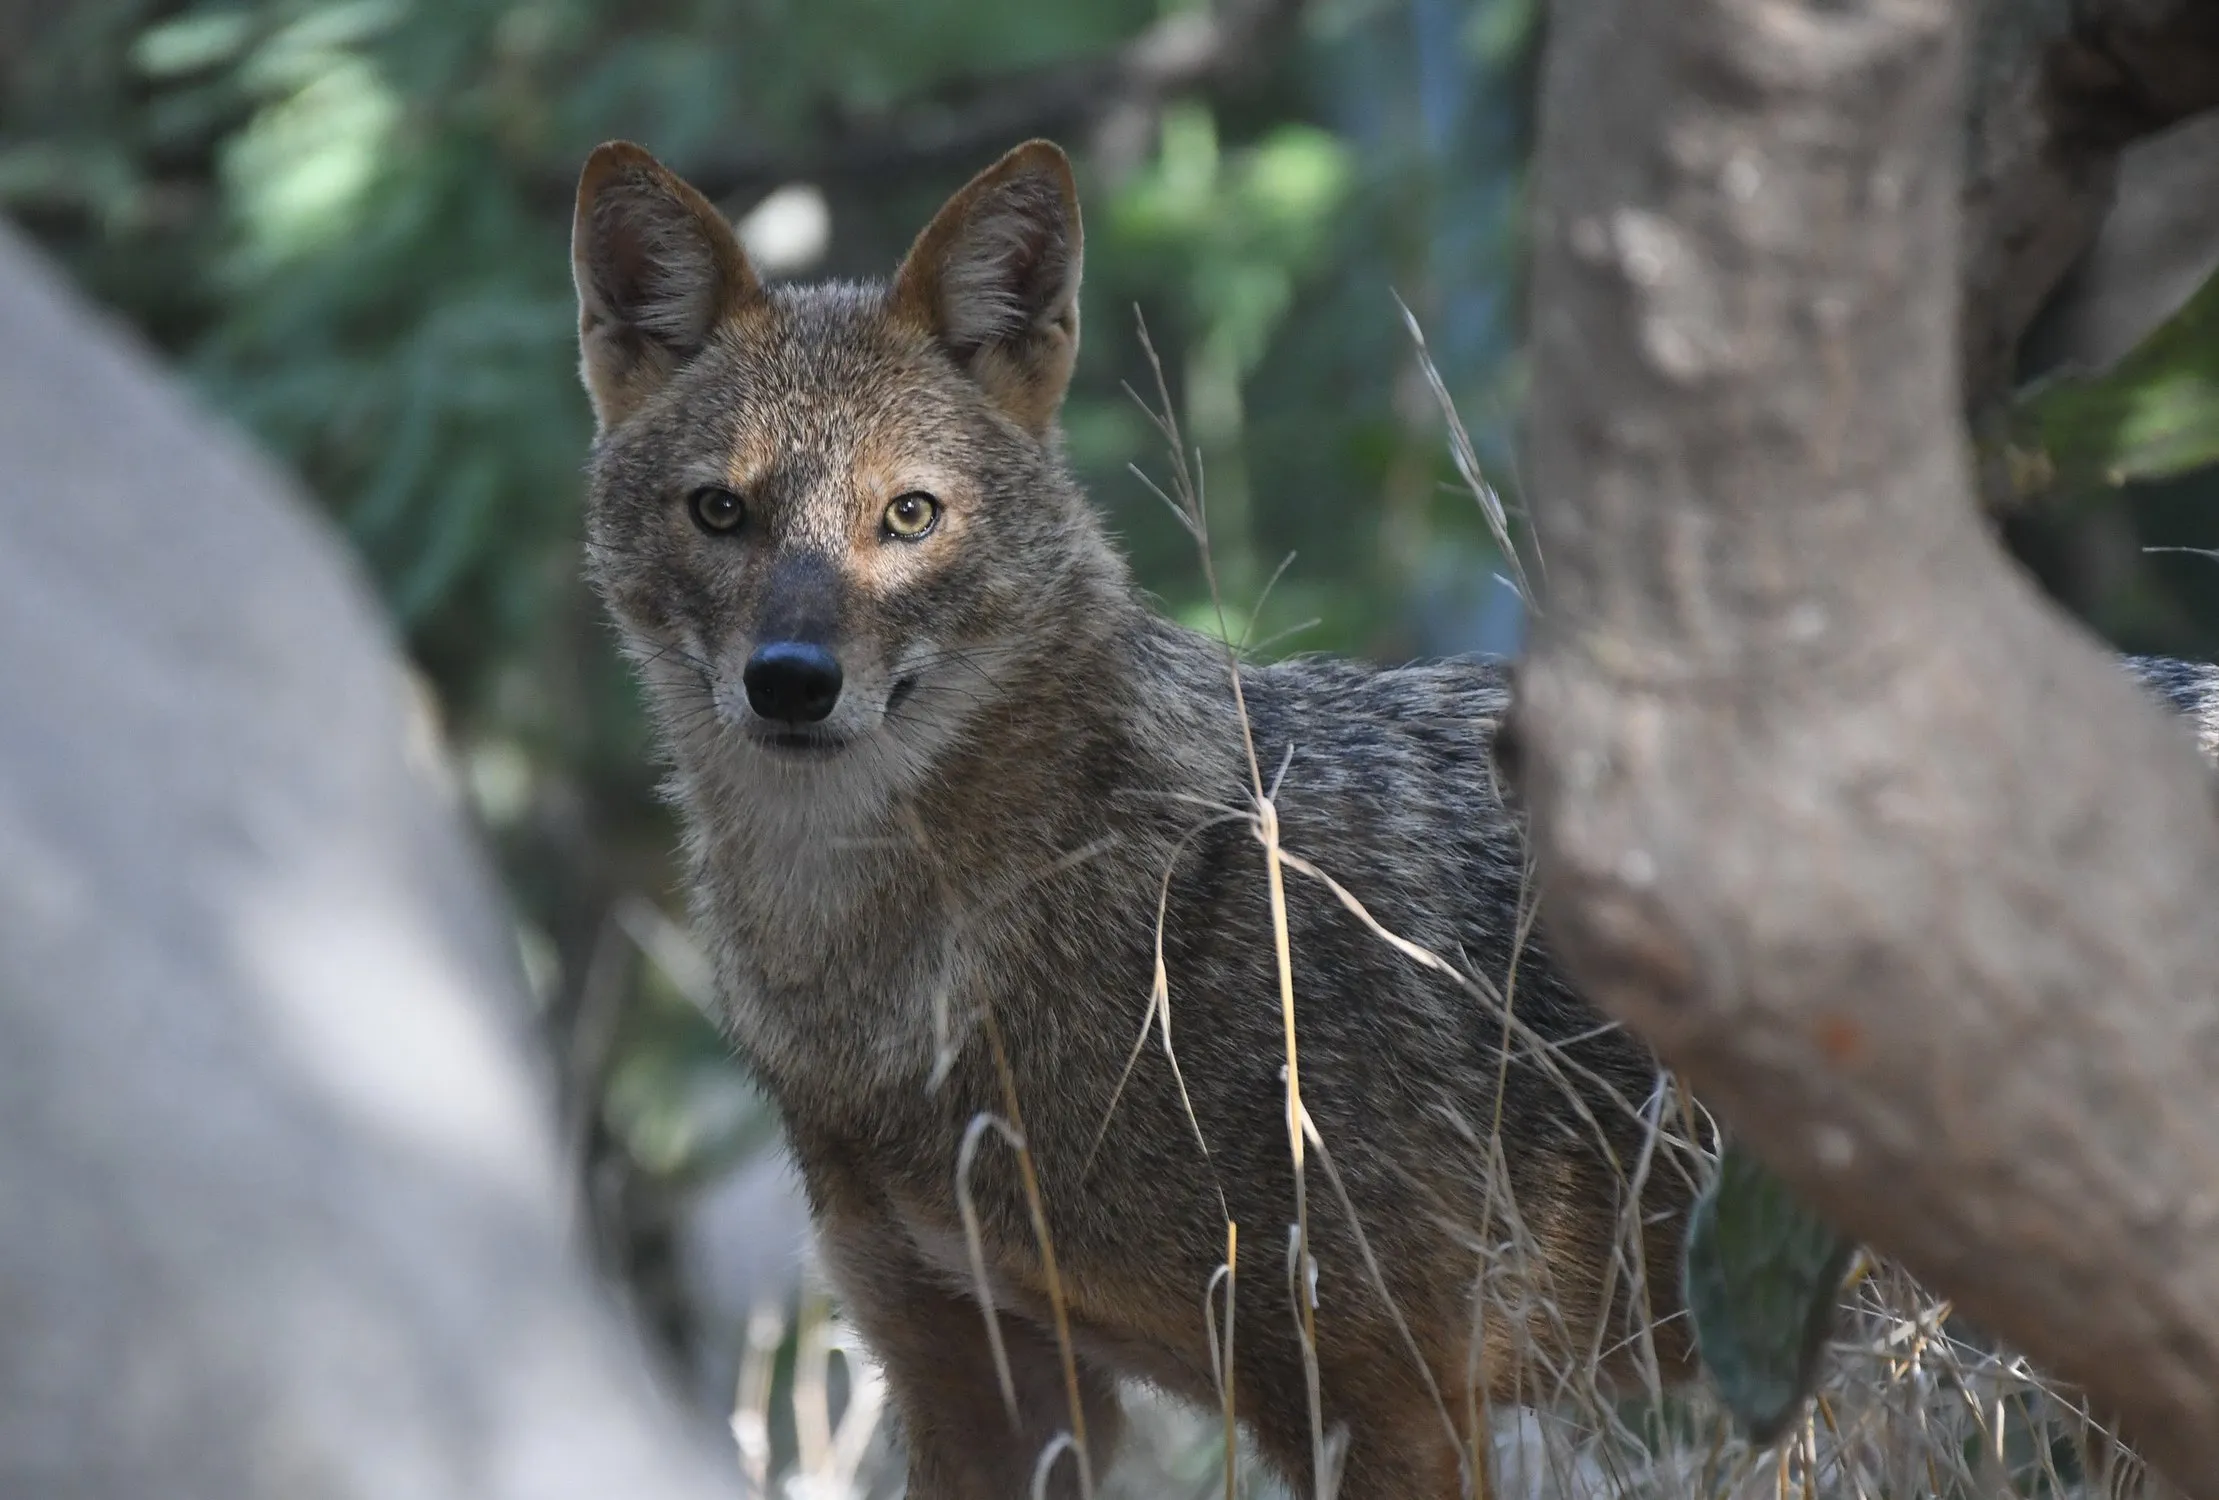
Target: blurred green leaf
(1763, 1280)
(1500, 30)
(2154, 415)
(192, 42)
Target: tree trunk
(1884, 854)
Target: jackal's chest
(856, 1037)
(833, 978)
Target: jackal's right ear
(995, 277)
(657, 268)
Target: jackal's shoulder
(2190, 687)
(1390, 771)
(1361, 722)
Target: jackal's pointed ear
(657, 267)
(995, 277)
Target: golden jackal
(953, 792)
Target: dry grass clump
(1912, 1406)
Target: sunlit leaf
(191, 43)
(2153, 415)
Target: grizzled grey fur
(2191, 688)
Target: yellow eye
(912, 515)
(715, 509)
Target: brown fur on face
(1023, 762)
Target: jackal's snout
(793, 676)
(792, 682)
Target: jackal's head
(828, 517)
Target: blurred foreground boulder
(281, 1209)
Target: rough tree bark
(1887, 856)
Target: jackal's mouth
(799, 743)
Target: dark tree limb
(977, 119)
(1888, 857)
(2159, 243)
(2056, 88)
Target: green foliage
(1233, 235)
(348, 218)
(2154, 415)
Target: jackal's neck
(1105, 720)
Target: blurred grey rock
(281, 1212)
(743, 1242)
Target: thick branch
(1181, 54)
(1896, 865)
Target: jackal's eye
(912, 515)
(717, 510)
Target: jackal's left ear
(656, 266)
(995, 277)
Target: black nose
(792, 681)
